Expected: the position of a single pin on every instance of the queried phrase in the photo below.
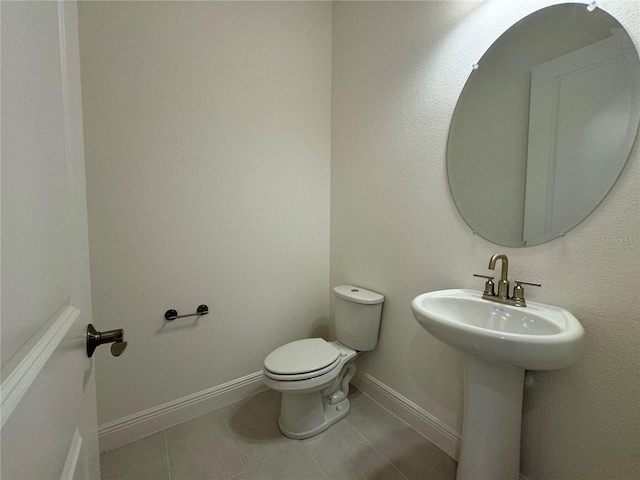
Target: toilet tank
(357, 314)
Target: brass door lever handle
(95, 338)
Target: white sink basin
(535, 337)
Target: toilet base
(303, 416)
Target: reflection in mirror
(545, 125)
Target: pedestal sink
(499, 343)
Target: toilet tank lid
(358, 295)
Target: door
(48, 409)
(583, 107)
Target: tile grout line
(314, 460)
(374, 447)
(362, 404)
(286, 447)
(226, 423)
(166, 452)
(363, 437)
(407, 424)
(244, 467)
(235, 445)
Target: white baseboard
(443, 436)
(141, 424)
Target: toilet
(313, 375)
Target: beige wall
(398, 69)
(208, 160)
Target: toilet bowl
(313, 375)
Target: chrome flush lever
(115, 337)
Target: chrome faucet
(503, 285)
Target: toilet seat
(302, 359)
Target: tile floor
(241, 441)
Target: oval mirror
(544, 125)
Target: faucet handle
(518, 292)
(488, 286)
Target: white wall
(207, 130)
(398, 68)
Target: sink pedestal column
(492, 421)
